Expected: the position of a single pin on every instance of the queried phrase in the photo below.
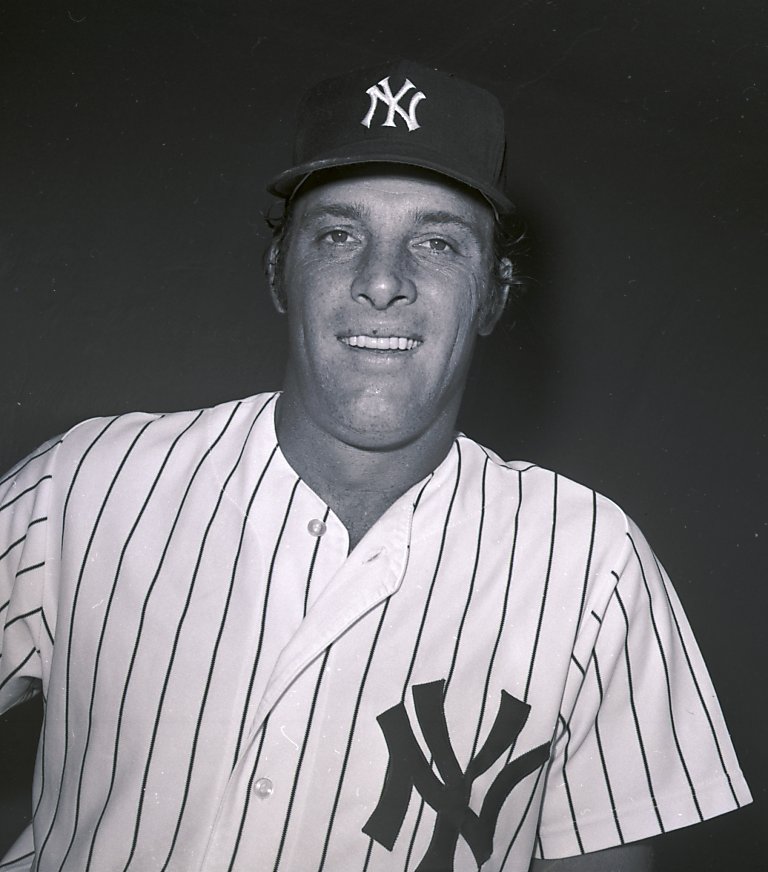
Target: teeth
(381, 343)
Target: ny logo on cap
(383, 92)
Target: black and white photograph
(384, 436)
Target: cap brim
(284, 184)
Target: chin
(381, 427)
(374, 428)
(375, 436)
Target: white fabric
(213, 671)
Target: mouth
(381, 343)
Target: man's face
(386, 280)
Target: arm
(23, 543)
(643, 749)
(637, 857)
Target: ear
(503, 279)
(278, 298)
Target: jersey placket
(373, 572)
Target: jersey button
(263, 788)
(316, 527)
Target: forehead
(395, 195)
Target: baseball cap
(403, 113)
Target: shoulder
(536, 490)
(100, 446)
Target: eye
(436, 244)
(337, 237)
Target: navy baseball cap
(403, 113)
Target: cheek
(454, 284)
(313, 286)
(303, 291)
(467, 306)
(484, 300)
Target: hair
(508, 235)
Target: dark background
(135, 139)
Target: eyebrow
(353, 212)
(449, 218)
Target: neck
(359, 484)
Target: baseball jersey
(499, 669)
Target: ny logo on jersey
(383, 92)
(408, 767)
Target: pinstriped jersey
(499, 670)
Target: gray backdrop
(135, 140)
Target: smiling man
(319, 629)
(387, 275)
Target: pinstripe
(78, 468)
(32, 568)
(108, 611)
(523, 818)
(75, 600)
(302, 753)
(312, 564)
(142, 620)
(43, 742)
(697, 685)
(638, 732)
(12, 546)
(17, 470)
(415, 831)
(419, 496)
(23, 538)
(438, 561)
(219, 635)
(41, 755)
(368, 853)
(503, 617)
(18, 669)
(31, 489)
(46, 625)
(352, 726)
(472, 580)
(459, 634)
(107, 614)
(568, 786)
(22, 616)
(543, 605)
(248, 795)
(262, 625)
(544, 592)
(16, 860)
(470, 591)
(663, 656)
(599, 741)
(503, 555)
(588, 568)
(174, 649)
(429, 596)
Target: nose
(382, 279)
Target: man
(319, 629)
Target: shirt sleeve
(641, 746)
(25, 631)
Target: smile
(381, 343)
